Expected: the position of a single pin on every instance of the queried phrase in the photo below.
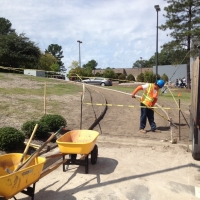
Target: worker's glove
(133, 96)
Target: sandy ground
(128, 169)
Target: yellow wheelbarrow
(79, 142)
(11, 184)
(17, 175)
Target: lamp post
(157, 7)
(141, 64)
(79, 52)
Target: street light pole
(157, 7)
(141, 64)
(79, 52)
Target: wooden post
(81, 111)
(179, 115)
(171, 129)
(45, 98)
(173, 140)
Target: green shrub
(122, 77)
(131, 77)
(54, 122)
(140, 77)
(165, 77)
(41, 132)
(11, 139)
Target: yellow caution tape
(130, 106)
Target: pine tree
(56, 51)
(183, 19)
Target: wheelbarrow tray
(77, 141)
(11, 184)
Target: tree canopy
(74, 65)
(5, 26)
(56, 51)
(47, 61)
(167, 56)
(183, 20)
(16, 50)
(91, 65)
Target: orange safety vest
(148, 96)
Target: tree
(18, 51)
(183, 20)
(56, 51)
(5, 26)
(108, 73)
(91, 65)
(167, 56)
(149, 77)
(47, 61)
(165, 77)
(74, 65)
(76, 71)
(141, 63)
(98, 74)
(55, 67)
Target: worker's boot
(143, 131)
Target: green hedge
(41, 132)
(11, 139)
(54, 122)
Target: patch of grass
(62, 89)
(39, 79)
(128, 89)
(177, 94)
(4, 77)
(184, 93)
(57, 89)
(21, 91)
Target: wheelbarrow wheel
(94, 155)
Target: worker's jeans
(147, 113)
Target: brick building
(126, 71)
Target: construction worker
(148, 99)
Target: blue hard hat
(160, 83)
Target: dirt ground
(118, 120)
(130, 165)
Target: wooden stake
(45, 98)
(179, 131)
(171, 130)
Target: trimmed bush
(41, 132)
(54, 122)
(131, 77)
(11, 139)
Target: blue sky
(114, 33)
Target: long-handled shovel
(27, 147)
(36, 153)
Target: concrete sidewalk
(127, 168)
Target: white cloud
(115, 33)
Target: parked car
(98, 81)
